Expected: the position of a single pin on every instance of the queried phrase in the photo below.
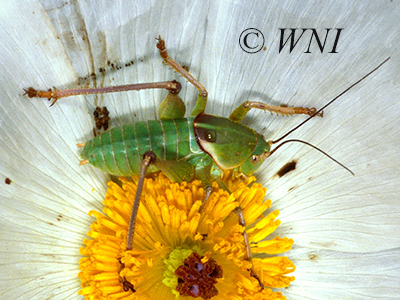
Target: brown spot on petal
(101, 118)
(289, 167)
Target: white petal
(44, 209)
(43, 212)
(324, 274)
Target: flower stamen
(126, 285)
(180, 252)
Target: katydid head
(228, 143)
(256, 159)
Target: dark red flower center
(197, 279)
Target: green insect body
(120, 150)
(189, 143)
(201, 146)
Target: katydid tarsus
(201, 146)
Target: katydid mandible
(201, 146)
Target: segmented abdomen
(119, 151)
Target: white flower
(345, 227)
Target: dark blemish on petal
(289, 167)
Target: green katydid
(201, 146)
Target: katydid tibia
(201, 146)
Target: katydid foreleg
(240, 112)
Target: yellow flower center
(179, 251)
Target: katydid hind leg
(172, 107)
(249, 256)
(172, 86)
(148, 158)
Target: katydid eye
(255, 159)
(210, 136)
